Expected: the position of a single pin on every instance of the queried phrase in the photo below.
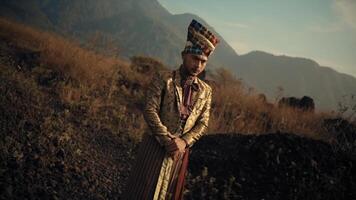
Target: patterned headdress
(200, 40)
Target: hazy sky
(323, 30)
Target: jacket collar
(179, 91)
(178, 79)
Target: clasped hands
(175, 147)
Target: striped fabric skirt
(146, 176)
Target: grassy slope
(64, 124)
(70, 118)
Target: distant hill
(144, 27)
(138, 27)
(297, 77)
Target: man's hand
(175, 147)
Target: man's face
(194, 64)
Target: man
(177, 112)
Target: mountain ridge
(145, 27)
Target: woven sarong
(146, 170)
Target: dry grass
(98, 81)
(63, 54)
(236, 109)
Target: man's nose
(199, 63)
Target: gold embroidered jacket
(163, 98)
(161, 112)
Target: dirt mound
(273, 166)
(51, 148)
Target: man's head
(200, 44)
(194, 64)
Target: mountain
(144, 27)
(297, 77)
(137, 27)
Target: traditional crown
(200, 40)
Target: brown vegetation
(235, 108)
(74, 115)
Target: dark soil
(273, 166)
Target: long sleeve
(201, 125)
(151, 111)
